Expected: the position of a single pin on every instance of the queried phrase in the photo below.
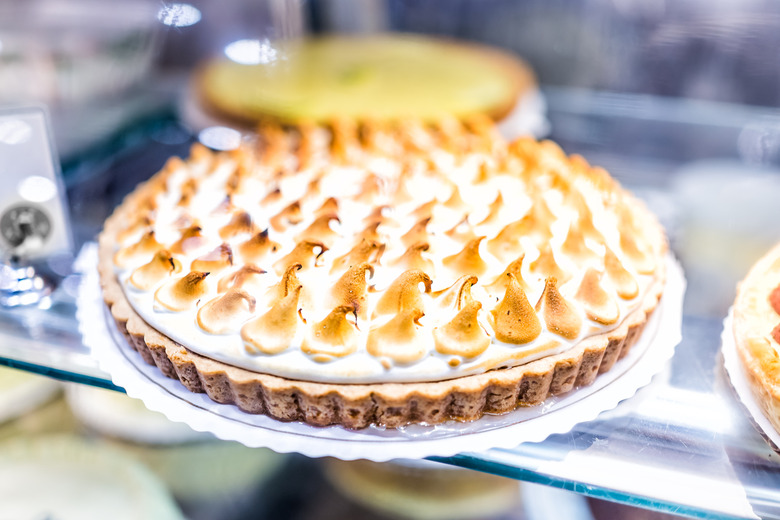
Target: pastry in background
(378, 78)
(757, 332)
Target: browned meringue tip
(574, 246)
(172, 165)
(190, 240)
(257, 248)
(273, 332)
(306, 253)
(364, 251)
(350, 290)
(141, 224)
(271, 197)
(226, 313)
(290, 215)
(493, 211)
(468, 260)
(329, 207)
(370, 233)
(183, 293)
(417, 233)
(305, 150)
(462, 231)
(160, 267)
(320, 229)
(404, 293)
(400, 339)
(199, 153)
(558, 315)
(139, 252)
(513, 319)
(463, 335)
(456, 295)
(288, 283)
(188, 191)
(344, 139)
(241, 222)
(640, 259)
(547, 266)
(413, 259)
(625, 284)
(333, 337)
(371, 187)
(507, 243)
(247, 276)
(498, 286)
(425, 210)
(216, 260)
(455, 201)
(596, 301)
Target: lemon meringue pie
(383, 274)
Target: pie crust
(393, 404)
(754, 322)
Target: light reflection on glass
(252, 52)
(37, 189)
(178, 15)
(220, 138)
(14, 131)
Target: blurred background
(678, 99)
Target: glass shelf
(683, 444)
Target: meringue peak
(598, 304)
(463, 335)
(333, 337)
(273, 332)
(400, 339)
(224, 314)
(404, 293)
(559, 316)
(513, 319)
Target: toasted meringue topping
(546, 265)
(289, 215)
(190, 240)
(350, 289)
(468, 260)
(320, 229)
(455, 201)
(417, 233)
(642, 261)
(258, 248)
(142, 224)
(404, 293)
(364, 251)
(248, 277)
(183, 293)
(159, 268)
(598, 304)
(273, 332)
(329, 207)
(457, 295)
(305, 253)
(559, 316)
(217, 260)
(333, 337)
(400, 339)
(625, 284)
(574, 247)
(240, 223)
(506, 244)
(225, 314)
(138, 253)
(513, 319)
(463, 335)
(493, 211)
(498, 286)
(413, 258)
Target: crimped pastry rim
(360, 405)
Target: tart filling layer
(393, 254)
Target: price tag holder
(34, 222)
(33, 209)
